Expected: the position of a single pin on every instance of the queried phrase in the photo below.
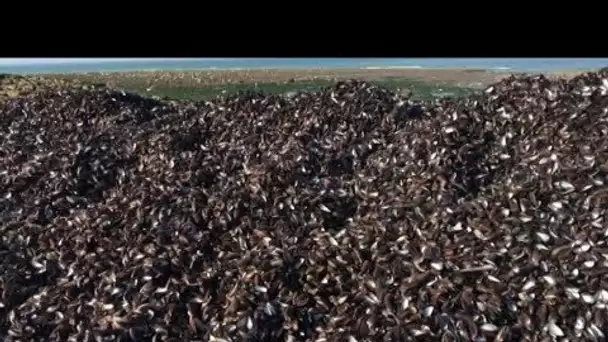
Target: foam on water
(376, 67)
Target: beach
(233, 206)
(202, 85)
(454, 77)
(422, 84)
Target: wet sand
(463, 78)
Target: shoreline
(203, 85)
(476, 78)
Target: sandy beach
(201, 85)
(463, 78)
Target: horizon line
(46, 61)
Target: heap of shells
(349, 214)
(16, 86)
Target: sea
(86, 65)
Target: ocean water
(74, 65)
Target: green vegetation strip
(15, 86)
(419, 90)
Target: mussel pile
(16, 86)
(349, 214)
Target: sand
(464, 78)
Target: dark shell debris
(349, 214)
